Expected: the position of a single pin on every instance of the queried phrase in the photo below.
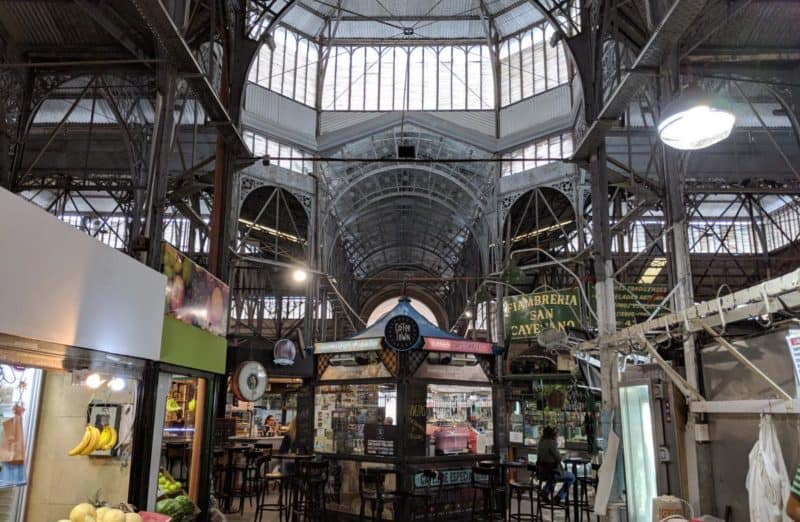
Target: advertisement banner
(435, 344)
(348, 346)
(634, 302)
(194, 296)
(524, 316)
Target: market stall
(74, 344)
(288, 368)
(191, 367)
(404, 396)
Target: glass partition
(358, 419)
(459, 420)
(639, 451)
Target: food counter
(275, 441)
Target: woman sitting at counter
(548, 459)
(271, 425)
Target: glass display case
(459, 420)
(356, 419)
(75, 425)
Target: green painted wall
(186, 345)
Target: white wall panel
(543, 112)
(279, 117)
(331, 121)
(62, 286)
(481, 121)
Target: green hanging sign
(524, 316)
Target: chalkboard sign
(380, 440)
(416, 419)
(305, 419)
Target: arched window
(421, 78)
(529, 65)
(289, 70)
(386, 306)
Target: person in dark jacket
(548, 460)
(288, 445)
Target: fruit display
(95, 440)
(180, 508)
(168, 486)
(194, 296)
(86, 512)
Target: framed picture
(101, 415)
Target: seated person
(271, 426)
(548, 459)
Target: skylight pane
(459, 79)
(539, 79)
(371, 80)
(342, 95)
(514, 71)
(415, 80)
(357, 71)
(526, 49)
(400, 57)
(474, 68)
(487, 79)
(445, 78)
(430, 76)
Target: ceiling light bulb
(116, 384)
(695, 120)
(93, 380)
(300, 275)
(468, 314)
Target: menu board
(305, 418)
(380, 440)
(416, 419)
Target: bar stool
(584, 483)
(548, 473)
(308, 489)
(316, 480)
(241, 472)
(520, 490)
(265, 479)
(372, 490)
(218, 472)
(486, 479)
(430, 493)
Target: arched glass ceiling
(388, 214)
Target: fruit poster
(194, 296)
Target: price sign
(401, 333)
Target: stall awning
(435, 339)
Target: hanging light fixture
(695, 120)
(300, 275)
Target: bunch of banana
(108, 438)
(91, 436)
(93, 440)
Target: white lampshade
(695, 120)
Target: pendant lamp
(695, 120)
